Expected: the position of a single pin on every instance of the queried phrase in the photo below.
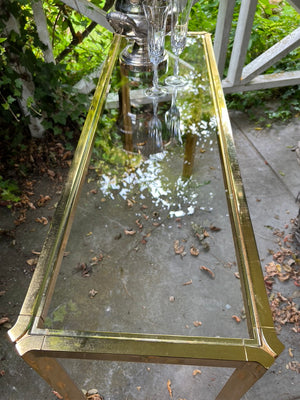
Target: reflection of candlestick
(189, 155)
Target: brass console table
(161, 252)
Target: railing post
(241, 41)
(224, 22)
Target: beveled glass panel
(151, 247)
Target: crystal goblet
(156, 13)
(179, 25)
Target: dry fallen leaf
(197, 323)
(293, 366)
(194, 251)
(43, 199)
(59, 396)
(139, 224)
(95, 396)
(197, 372)
(42, 220)
(129, 232)
(209, 271)
(4, 320)
(169, 388)
(236, 318)
(291, 353)
(214, 228)
(187, 283)
(177, 248)
(129, 203)
(32, 261)
(92, 293)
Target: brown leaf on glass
(42, 220)
(169, 388)
(236, 318)
(92, 293)
(194, 251)
(214, 228)
(293, 366)
(209, 271)
(85, 269)
(197, 372)
(197, 323)
(138, 223)
(237, 275)
(129, 203)
(42, 200)
(32, 261)
(283, 277)
(156, 224)
(129, 232)
(177, 248)
(59, 396)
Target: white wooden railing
(250, 77)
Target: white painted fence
(250, 77)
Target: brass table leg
(54, 374)
(241, 381)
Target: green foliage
(271, 24)
(109, 155)
(204, 16)
(9, 192)
(61, 109)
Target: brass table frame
(40, 347)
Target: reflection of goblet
(154, 142)
(172, 119)
(180, 17)
(156, 13)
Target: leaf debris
(208, 270)
(169, 388)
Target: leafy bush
(271, 24)
(54, 99)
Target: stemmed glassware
(156, 12)
(172, 119)
(179, 25)
(154, 142)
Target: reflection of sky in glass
(159, 178)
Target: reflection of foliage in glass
(109, 156)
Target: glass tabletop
(151, 248)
